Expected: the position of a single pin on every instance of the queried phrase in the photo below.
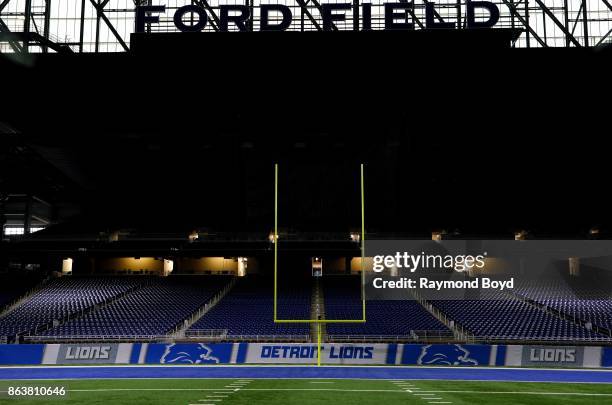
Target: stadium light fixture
(520, 235)
(272, 238)
(67, 265)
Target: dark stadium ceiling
(470, 151)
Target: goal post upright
(363, 301)
(275, 240)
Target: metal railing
(182, 329)
(539, 340)
(201, 335)
(269, 338)
(205, 334)
(23, 298)
(97, 338)
(221, 336)
(414, 337)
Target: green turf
(316, 392)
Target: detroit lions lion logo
(188, 354)
(449, 355)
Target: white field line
(586, 394)
(311, 378)
(216, 389)
(213, 398)
(596, 394)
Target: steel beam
(47, 22)
(4, 4)
(309, 15)
(522, 20)
(82, 28)
(552, 16)
(14, 44)
(26, 24)
(604, 38)
(100, 12)
(585, 23)
(215, 23)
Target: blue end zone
(410, 373)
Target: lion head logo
(449, 355)
(188, 354)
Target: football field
(312, 391)
(281, 385)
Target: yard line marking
(522, 392)
(440, 402)
(321, 389)
(585, 394)
(430, 398)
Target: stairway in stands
(180, 330)
(317, 311)
(459, 332)
(81, 314)
(559, 314)
(23, 298)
